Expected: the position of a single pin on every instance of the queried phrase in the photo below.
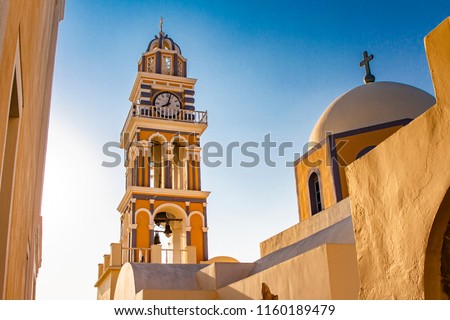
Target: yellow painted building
(28, 32)
(373, 196)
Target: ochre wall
(143, 231)
(33, 25)
(355, 144)
(142, 204)
(143, 222)
(320, 159)
(197, 235)
(396, 191)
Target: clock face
(167, 99)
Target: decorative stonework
(144, 146)
(167, 65)
(133, 153)
(194, 152)
(180, 68)
(151, 64)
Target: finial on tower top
(161, 22)
(365, 62)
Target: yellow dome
(371, 104)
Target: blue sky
(262, 67)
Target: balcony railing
(145, 255)
(170, 113)
(166, 113)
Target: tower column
(152, 223)
(148, 162)
(205, 234)
(205, 243)
(132, 253)
(197, 168)
(188, 229)
(168, 166)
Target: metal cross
(365, 62)
(161, 22)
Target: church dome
(163, 42)
(371, 104)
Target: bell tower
(163, 211)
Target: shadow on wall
(437, 259)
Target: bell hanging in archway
(167, 230)
(157, 240)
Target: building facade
(28, 32)
(372, 190)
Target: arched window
(157, 169)
(315, 194)
(179, 166)
(167, 64)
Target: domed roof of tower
(371, 104)
(164, 42)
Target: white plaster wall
(306, 228)
(326, 272)
(396, 190)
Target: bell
(157, 240)
(168, 231)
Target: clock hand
(168, 101)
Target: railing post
(116, 254)
(176, 256)
(155, 253)
(106, 262)
(100, 270)
(191, 252)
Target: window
(315, 194)
(167, 45)
(151, 64)
(167, 65)
(180, 68)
